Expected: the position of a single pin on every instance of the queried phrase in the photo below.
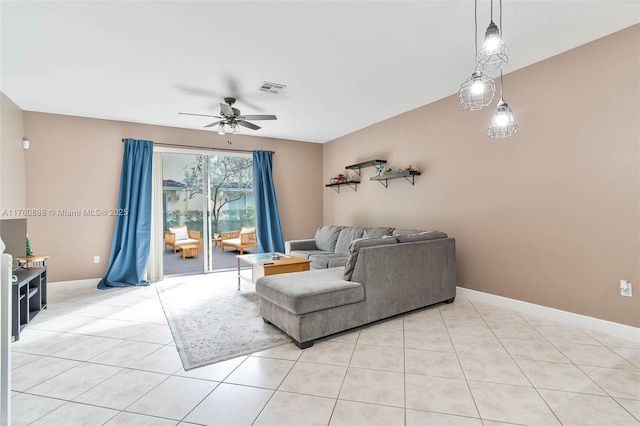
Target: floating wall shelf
(371, 163)
(409, 176)
(336, 186)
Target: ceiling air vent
(271, 87)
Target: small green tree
(29, 251)
(230, 178)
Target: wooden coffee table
(189, 250)
(264, 264)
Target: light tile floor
(108, 358)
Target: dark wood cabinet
(29, 296)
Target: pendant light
(494, 54)
(478, 90)
(503, 125)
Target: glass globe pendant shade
(503, 124)
(493, 54)
(235, 128)
(221, 129)
(477, 91)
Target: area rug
(211, 322)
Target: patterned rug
(212, 322)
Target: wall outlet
(625, 288)
(96, 259)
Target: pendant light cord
(501, 35)
(500, 29)
(475, 19)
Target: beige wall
(12, 158)
(550, 216)
(75, 163)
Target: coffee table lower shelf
(263, 264)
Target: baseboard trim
(622, 331)
(87, 281)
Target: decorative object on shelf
(412, 169)
(342, 178)
(29, 252)
(477, 91)
(493, 54)
(350, 178)
(333, 181)
(382, 170)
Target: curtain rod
(173, 145)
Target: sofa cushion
(326, 237)
(248, 230)
(355, 247)
(338, 261)
(181, 233)
(306, 253)
(347, 234)
(233, 242)
(421, 236)
(187, 241)
(310, 291)
(323, 260)
(377, 232)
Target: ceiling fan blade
(234, 90)
(249, 125)
(215, 123)
(198, 115)
(259, 117)
(226, 110)
(190, 90)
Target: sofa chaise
(381, 277)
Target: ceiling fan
(230, 118)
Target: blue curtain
(269, 232)
(132, 232)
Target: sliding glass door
(211, 194)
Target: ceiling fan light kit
(478, 91)
(230, 118)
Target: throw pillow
(248, 230)
(347, 234)
(354, 250)
(326, 237)
(421, 236)
(181, 233)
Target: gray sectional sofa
(381, 275)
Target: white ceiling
(346, 65)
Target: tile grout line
(455, 351)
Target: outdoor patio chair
(176, 237)
(240, 239)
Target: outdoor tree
(229, 177)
